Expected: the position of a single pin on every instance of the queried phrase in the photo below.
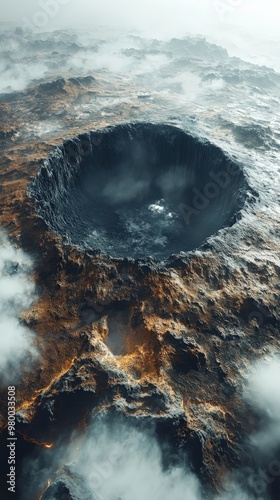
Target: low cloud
(16, 294)
(264, 396)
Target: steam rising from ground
(17, 77)
(16, 294)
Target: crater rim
(69, 159)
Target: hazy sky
(158, 17)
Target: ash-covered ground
(147, 358)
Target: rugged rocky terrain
(163, 341)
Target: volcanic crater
(138, 190)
